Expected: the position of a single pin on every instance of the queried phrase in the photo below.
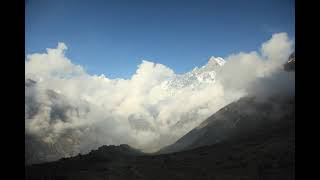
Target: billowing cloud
(152, 109)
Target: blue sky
(112, 37)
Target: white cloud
(278, 47)
(93, 110)
(51, 64)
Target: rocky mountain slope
(242, 116)
(260, 152)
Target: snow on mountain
(195, 78)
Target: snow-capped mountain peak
(195, 78)
(216, 61)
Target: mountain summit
(195, 78)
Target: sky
(112, 37)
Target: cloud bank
(68, 108)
